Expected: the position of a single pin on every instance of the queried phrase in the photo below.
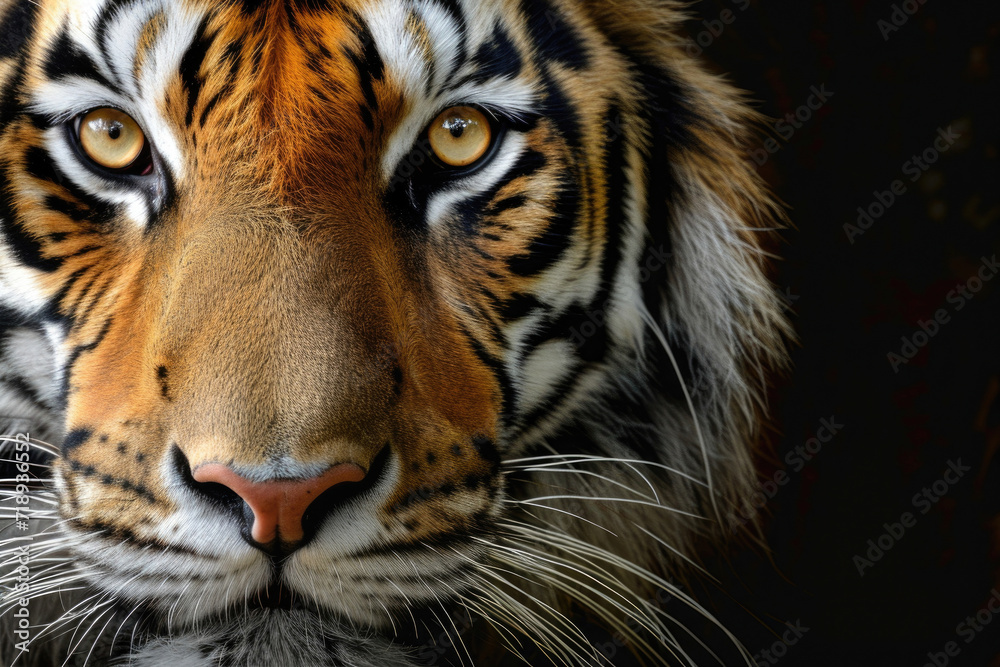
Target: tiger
(376, 333)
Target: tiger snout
(267, 413)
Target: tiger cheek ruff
(369, 332)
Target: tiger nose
(278, 506)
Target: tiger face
(358, 310)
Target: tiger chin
(370, 333)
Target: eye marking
(113, 141)
(460, 136)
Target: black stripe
(514, 201)
(469, 211)
(521, 305)
(546, 249)
(70, 209)
(125, 534)
(211, 105)
(555, 40)
(366, 117)
(558, 396)
(93, 300)
(25, 391)
(75, 438)
(563, 111)
(190, 68)
(668, 120)
(233, 58)
(10, 100)
(25, 246)
(65, 58)
(586, 327)
(17, 28)
(616, 168)
(495, 58)
(368, 63)
(91, 472)
(86, 250)
(68, 285)
(79, 350)
(496, 366)
(10, 318)
(38, 163)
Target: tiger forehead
(288, 91)
(279, 76)
(299, 60)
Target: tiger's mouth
(277, 597)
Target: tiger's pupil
(115, 131)
(457, 127)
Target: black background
(852, 304)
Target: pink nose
(279, 504)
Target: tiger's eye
(111, 138)
(460, 136)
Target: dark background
(852, 304)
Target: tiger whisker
(537, 557)
(121, 626)
(506, 635)
(558, 641)
(573, 545)
(98, 636)
(583, 458)
(676, 551)
(590, 473)
(569, 584)
(486, 587)
(75, 643)
(560, 510)
(534, 502)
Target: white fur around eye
(505, 156)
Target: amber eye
(111, 138)
(460, 136)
